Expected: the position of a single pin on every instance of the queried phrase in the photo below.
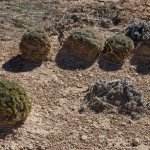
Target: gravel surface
(55, 122)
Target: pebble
(135, 142)
(79, 86)
(136, 74)
(79, 75)
(1, 58)
(123, 124)
(91, 75)
(6, 38)
(84, 137)
(30, 147)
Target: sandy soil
(55, 122)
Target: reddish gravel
(57, 93)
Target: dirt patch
(57, 93)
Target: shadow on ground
(66, 60)
(18, 64)
(5, 131)
(141, 68)
(108, 65)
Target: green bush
(118, 47)
(35, 44)
(14, 103)
(85, 43)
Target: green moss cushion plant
(118, 47)
(14, 103)
(85, 43)
(35, 44)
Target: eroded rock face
(35, 44)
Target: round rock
(135, 142)
(84, 137)
(35, 44)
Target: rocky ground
(57, 92)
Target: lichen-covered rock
(119, 94)
(14, 103)
(85, 43)
(118, 47)
(138, 31)
(35, 44)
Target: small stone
(84, 137)
(6, 38)
(79, 86)
(91, 75)
(120, 133)
(79, 75)
(136, 74)
(1, 58)
(135, 142)
(30, 147)
(123, 124)
(128, 76)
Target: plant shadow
(19, 64)
(108, 65)
(141, 58)
(5, 131)
(141, 68)
(65, 59)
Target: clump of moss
(85, 43)
(35, 44)
(14, 103)
(118, 47)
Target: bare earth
(55, 122)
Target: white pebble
(84, 137)
(123, 124)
